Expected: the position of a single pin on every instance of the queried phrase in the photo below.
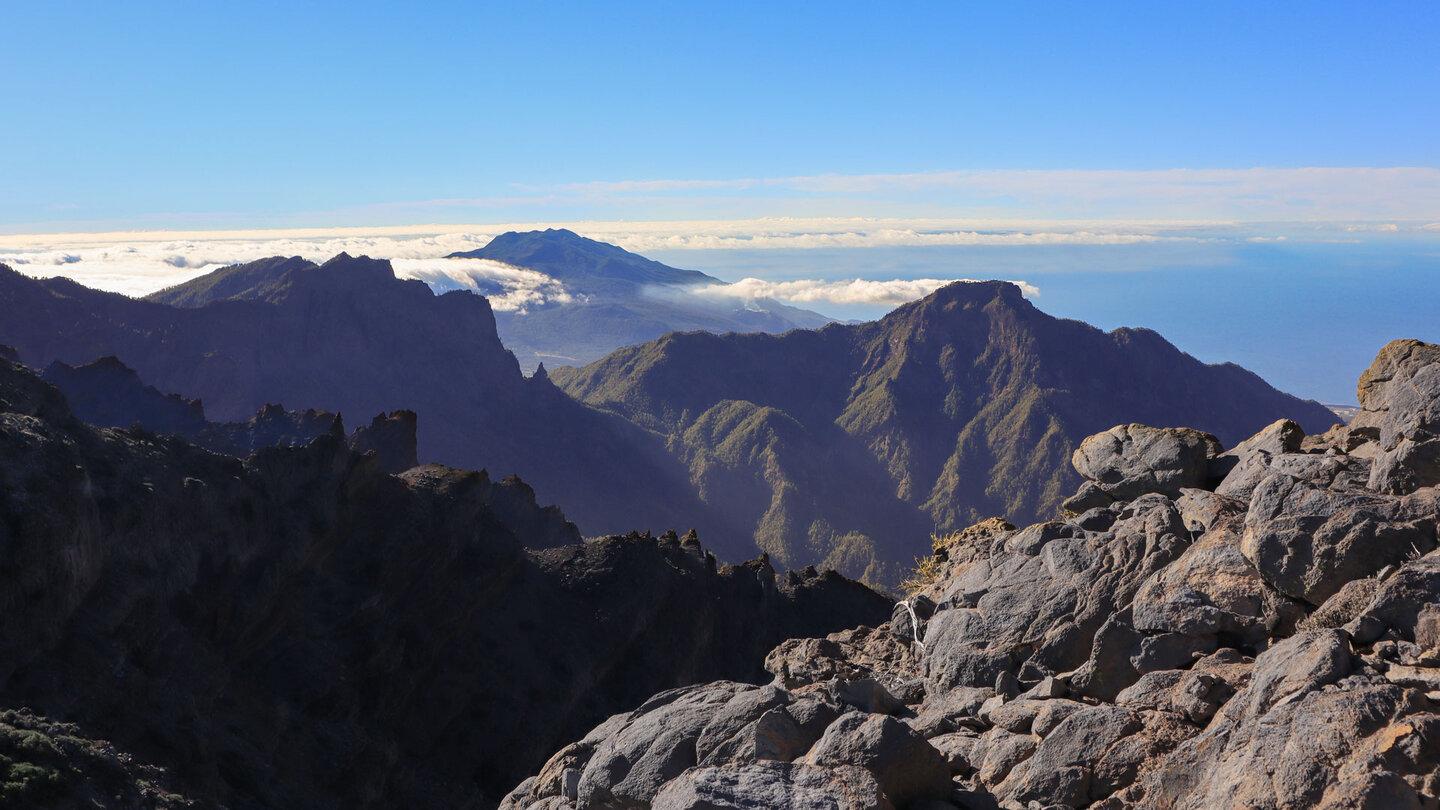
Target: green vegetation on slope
(47, 764)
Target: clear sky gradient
(246, 114)
(1258, 181)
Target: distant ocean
(1308, 316)
(1306, 306)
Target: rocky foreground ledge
(1254, 628)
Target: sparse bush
(927, 569)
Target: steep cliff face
(349, 338)
(1203, 629)
(965, 404)
(301, 629)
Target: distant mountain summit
(850, 443)
(622, 299)
(584, 265)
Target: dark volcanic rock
(1243, 465)
(1308, 541)
(907, 766)
(300, 629)
(391, 438)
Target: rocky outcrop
(1258, 628)
(391, 437)
(1400, 398)
(301, 629)
(1128, 461)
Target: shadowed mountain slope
(301, 629)
(349, 338)
(257, 279)
(960, 406)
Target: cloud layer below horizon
(892, 292)
(137, 263)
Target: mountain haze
(349, 338)
(845, 446)
(624, 299)
(852, 442)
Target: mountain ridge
(845, 446)
(956, 397)
(348, 337)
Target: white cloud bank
(509, 288)
(137, 263)
(893, 292)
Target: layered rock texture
(839, 444)
(300, 628)
(1202, 629)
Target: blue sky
(1258, 181)
(183, 114)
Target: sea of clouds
(137, 263)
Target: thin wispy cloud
(1252, 194)
(892, 292)
(881, 237)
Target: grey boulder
(1128, 461)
